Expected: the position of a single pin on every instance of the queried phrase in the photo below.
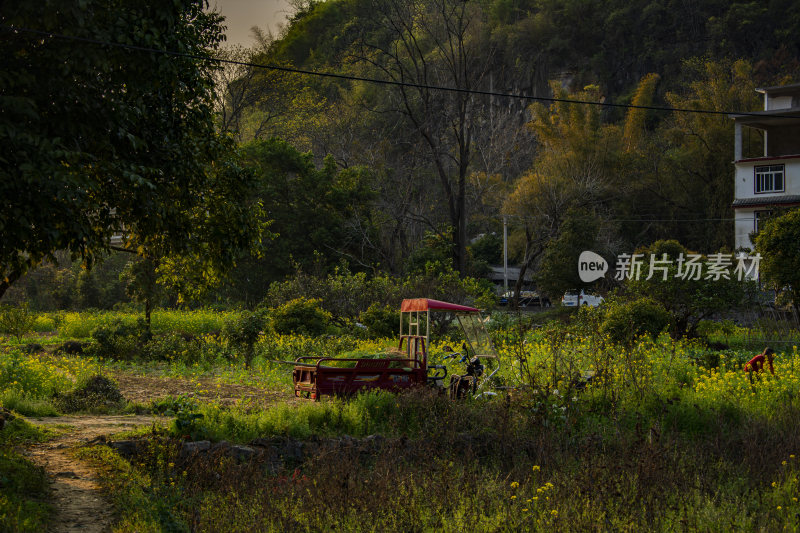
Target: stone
(189, 448)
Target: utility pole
(505, 254)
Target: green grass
(465, 466)
(670, 436)
(26, 405)
(23, 485)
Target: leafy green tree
(120, 142)
(311, 209)
(243, 332)
(696, 181)
(16, 320)
(142, 284)
(687, 300)
(558, 269)
(624, 322)
(577, 163)
(778, 243)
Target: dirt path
(77, 496)
(79, 502)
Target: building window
(769, 178)
(759, 218)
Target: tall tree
(312, 210)
(577, 161)
(697, 181)
(778, 244)
(97, 138)
(435, 43)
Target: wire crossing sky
(18, 30)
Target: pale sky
(241, 15)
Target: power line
(17, 29)
(718, 219)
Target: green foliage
(16, 321)
(44, 324)
(147, 508)
(300, 317)
(381, 321)
(119, 340)
(96, 394)
(64, 284)
(244, 331)
(30, 376)
(558, 271)
(24, 487)
(780, 263)
(313, 209)
(346, 295)
(488, 248)
(81, 325)
(123, 107)
(687, 300)
(435, 248)
(699, 146)
(27, 404)
(624, 322)
(173, 346)
(142, 283)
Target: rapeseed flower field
(658, 434)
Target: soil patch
(144, 389)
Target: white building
(771, 181)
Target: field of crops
(667, 435)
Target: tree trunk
(148, 308)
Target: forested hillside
(451, 164)
(391, 177)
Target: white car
(577, 299)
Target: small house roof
(426, 304)
(789, 199)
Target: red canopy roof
(426, 304)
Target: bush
(300, 316)
(97, 394)
(16, 321)
(381, 321)
(172, 346)
(625, 322)
(119, 340)
(243, 332)
(44, 324)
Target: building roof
(496, 273)
(762, 119)
(778, 90)
(787, 199)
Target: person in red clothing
(756, 364)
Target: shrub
(243, 332)
(44, 324)
(16, 321)
(119, 340)
(381, 321)
(96, 394)
(624, 322)
(300, 316)
(172, 346)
